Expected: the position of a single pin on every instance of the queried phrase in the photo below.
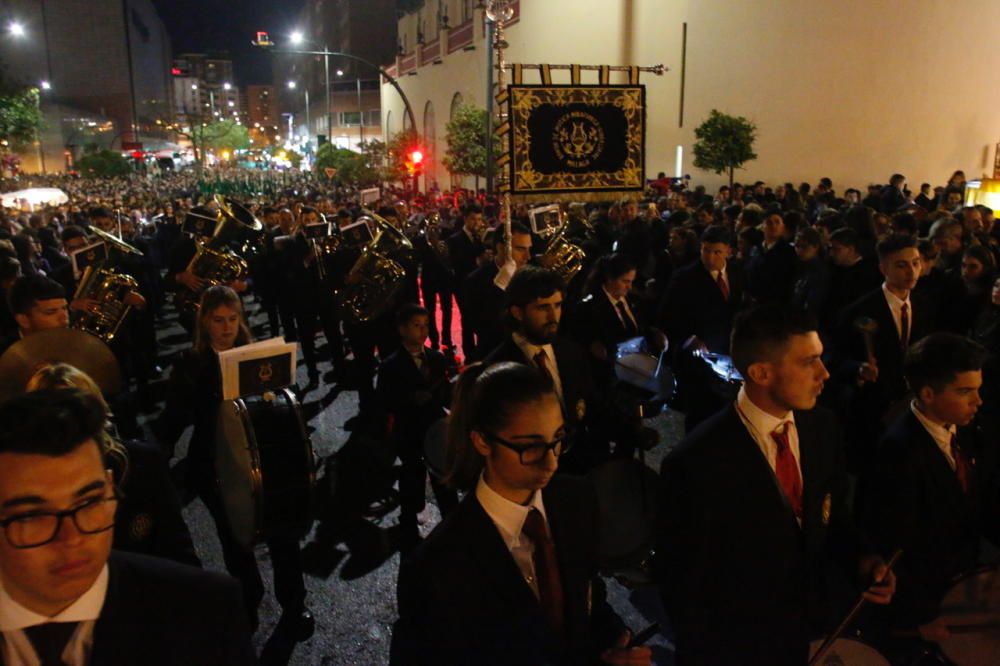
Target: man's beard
(538, 336)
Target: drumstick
(835, 634)
(868, 327)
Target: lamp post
(298, 38)
(291, 86)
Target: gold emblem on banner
(265, 372)
(826, 509)
(581, 409)
(578, 139)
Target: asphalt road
(350, 556)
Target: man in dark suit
(852, 276)
(874, 378)
(413, 388)
(932, 491)
(534, 310)
(64, 596)
(770, 270)
(754, 511)
(466, 251)
(484, 299)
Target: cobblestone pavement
(350, 558)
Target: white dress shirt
(530, 350)
(15, 618)
(715, 276)
(896, 307)
(509, 519)
(941, 434)
(760, 425)
(628, 310)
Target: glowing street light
(297, 37)
(16, 29)
(291, 85)
(194, 86)
(46, 85)
(340, 72)
(227, 86)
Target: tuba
(376, 276)
(215, 261)
(101, 283)
(560, 255)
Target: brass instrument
(215, 261)
(101, 283)
(376, 276)
(323, 246)
(560, 255)
(108, 288)
(436, 244)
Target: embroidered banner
(576, 139)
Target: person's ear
(23, 321)
(517, 312)
(479, 443)
(760, 373)
(926, 395)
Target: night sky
(208, 26)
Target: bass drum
(266, 467)
(847, 652)
(971, 609)
(435, 443)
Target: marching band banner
(576, 139)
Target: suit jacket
(847, 285)
(463, 254)
(771, 274)
(913, 501)
(693, 305)
(741, 581)
(485, 307)
(158, 613)
(414, 401)
(463, 600)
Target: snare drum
(266, 467)
(848, 652)
(971, 609)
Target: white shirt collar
(764, 423)
(715, 274)
(508, 516)
(940, 433)
(614, 301)
(895, 302)
(88, 606)
(530, 349)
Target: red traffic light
(416, 157)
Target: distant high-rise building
(204, 90)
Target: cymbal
(58, 345)
(114, 242)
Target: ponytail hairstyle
(485, 401)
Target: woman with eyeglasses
(510, 577)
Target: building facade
(854, 90)
(106, 63)
(203, 89)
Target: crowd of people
(862, 327)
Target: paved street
(350, 557)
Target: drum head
(973, 600)
(626, 497)
(238, 469)
(435, 442)
(848, 651)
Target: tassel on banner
(546, 72)
(604, 75)
(574, 73)
(517, 74)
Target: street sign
(330, 172)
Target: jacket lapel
(748, 451)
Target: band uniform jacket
(596, 325)
(485, 307)
(463, 600)
(463, 254)
(399, 382)
(771, 273)
(914, 502)
(159, 613)
(694, 305)
(742, 582)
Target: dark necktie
(723, 287)
(49, 640)
(786, 470)
(963, 470)
(550, 592)
(626, 318)
(421, 362)
(904, 326)
(542, 361)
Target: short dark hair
(846, 237)
(894, 243)
(762, 333)
(73, 231)
(532, 283)
(30, 288)
(936, 359)
(500, 232)
(51, 422)
(716, 233)
(408, 311)
(100, 211)
(471, 209)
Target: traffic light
(414, 161)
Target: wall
(851, 90)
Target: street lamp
(291, 86)
(227, 86)
(297, 37)
(46, 85)
(16, 29)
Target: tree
(397, 153)
(227, 135)
(466, 152)
(725, 143)
(352, 168)
(20, 117)
(103, 164)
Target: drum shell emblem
(827, 502)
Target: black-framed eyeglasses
(534, 454)
(37, 528)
